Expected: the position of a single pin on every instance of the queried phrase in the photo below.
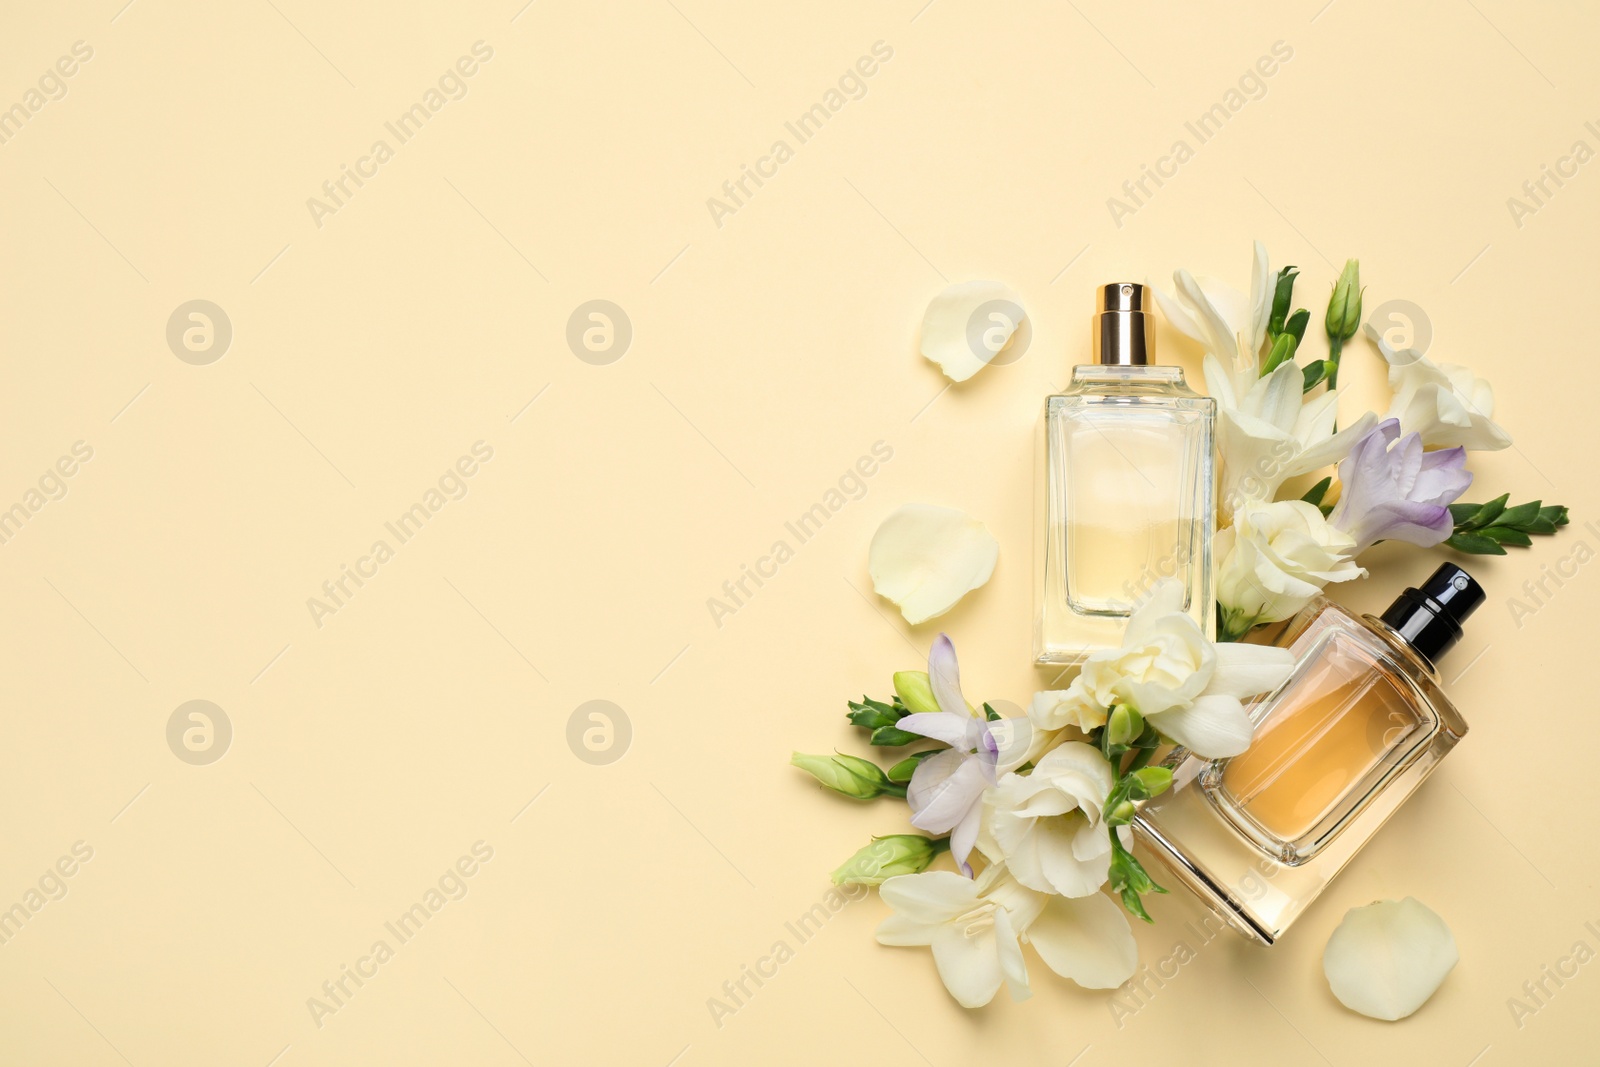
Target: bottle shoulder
(1153, 384)
(1326, 631)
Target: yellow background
(768, 353)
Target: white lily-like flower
(946, 791)
(1048, 824)
(1267, 432)
(1054, 710)
(1445, 403)
(977, 927)
(1186, 686)
(1272, 433)
(1230, 325)
(1274, 559)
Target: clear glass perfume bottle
(1338, 747)
(1127, 490)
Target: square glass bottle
(1338, 747)
(1127, 493)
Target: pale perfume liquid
(1124, 490)
(1128, 485)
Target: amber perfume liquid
(1353, 731)
(1126, 489)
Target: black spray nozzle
(1429, 617)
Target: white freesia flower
(1053, 710)
(1274, 559)
(1048, 824)
(977, 928)
(1386, 959)
(961, 341)
(1183, 684)
(1230, 325)
(925, 558)
(1445, 403)
(1267, 432)
(1272, 433)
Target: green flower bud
(854, 777)
(1344, 306)
(888, 856)
(1121, 814)
(915, 691)
(1124, 726)
(1151, 781)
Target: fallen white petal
(925, 558)
(1386, 959)
(960, 344)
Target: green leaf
(1554, 513)
(1476, 544)
(902, 771)
(1314, 374)
(1282, 294)
(871, 714)
(990, 714)
(1129, 880)
(1478, 525)
(1520, 514)
(1296, 326)
(1135, 906)
(1315, 494)
(893, 737)
(1487, 513)
(1505, 535)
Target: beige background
(429, 312)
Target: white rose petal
(925, 558)
(1385, 960)
(961, 346)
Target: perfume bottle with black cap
(1338, 747)
(1128, 485)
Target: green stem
(1140, 758)
(1335, 345)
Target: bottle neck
(1147, 374)
(1394, 638)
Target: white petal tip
(1386, 959)
(971, 325)
(925, 558)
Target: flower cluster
(1397, 476)
(1041, 803)
(1035, 809)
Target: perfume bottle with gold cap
(1127, 490)
(1338, 746)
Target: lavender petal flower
(1392, 490)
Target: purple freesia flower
(946, 791)
(1391, 490)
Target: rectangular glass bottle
(1338, 747)
(1127, 492)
